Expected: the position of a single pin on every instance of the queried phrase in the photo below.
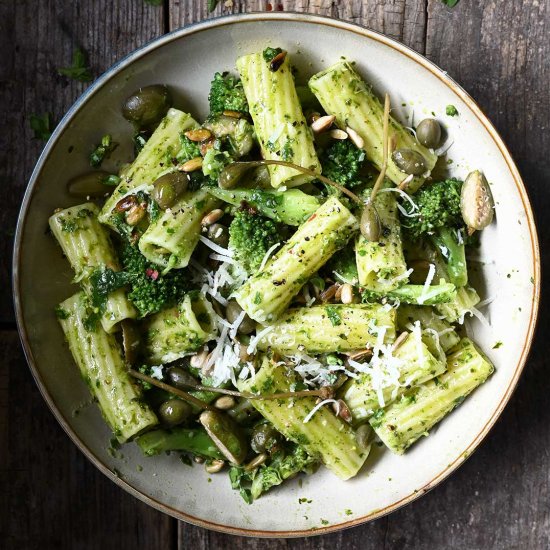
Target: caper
(174, 412)
(265, 438)
(147, 106)
(226, 434)
(91, 184)
(476, 201)
(180, 378)
(233, 311)
(219, 234)
(168, 188)
(409, 161)
(428, 133)
(369, 224)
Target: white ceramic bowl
(186, 60)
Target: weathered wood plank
(400, 19)
(36, 39)
(51, 496)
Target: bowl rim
(305, 18)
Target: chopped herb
(111, 180)
(140, 139)
(334, 316)
(451, 110)
(497, 345)
(348, 512)
(41, 126)
(270, 53)
(324, 521)
(258, 298)
(61, 313)
(78, 70)
(102, 151)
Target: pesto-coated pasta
(344, 94)
(324, 329)
(101, 364)
(280, 125)
(324, 435)
(408, 419)
(152, 161)
(179, 331)
(170, 240)
(87, 247)
(268, 293)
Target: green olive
(233, 311)
(369, 224)
(174, 412)
(168, 188)
(219, 234)
(409, 161)
(226, 434)
(265, 438)
(91, 184)
(147, 106)
(180, 378)
(428, 133)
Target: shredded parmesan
(235, 326)
(256, 339)
(156, 372)
(268, 255)
(406, 196)
(429, 278)
(318, 406)
(443, 149)
(215, 247)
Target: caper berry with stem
(180, 378)
(369, 224)
(233, 311)
(147, 106)
(409, 161)
(265, 438)
(168, 188)
(218, 234)
(428, 133)
(174, 412)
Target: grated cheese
(215, 247)
(429, 278)
(318, 406)
(267, 256)
(255, 340)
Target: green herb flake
(102, 151)
(451, 110)
(41, 126)
(257, 298)
(497, 345)
(79, 69)
(348, 512)
(334, 316)
(269, 53)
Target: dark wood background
(51, 497)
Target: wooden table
(52, 497)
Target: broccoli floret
(150, 291)
(439, 219)
(342, 162)
(227, 94)
(214, 162)
(250, 237)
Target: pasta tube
(152, 160)
(406, 420)
(101, 364)
(280, 125)
(325, 329)
(179, 331)
(381, 265)
(415, 365)
(170, 240)
(87, 247)
(344, 94)
(268, 293)
(324, 435)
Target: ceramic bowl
(506, 269)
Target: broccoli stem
(454, 254)
(414, 294)
(291, 207)
(195, 441)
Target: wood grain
(36, 38)
(400, 19)
(51, 497)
